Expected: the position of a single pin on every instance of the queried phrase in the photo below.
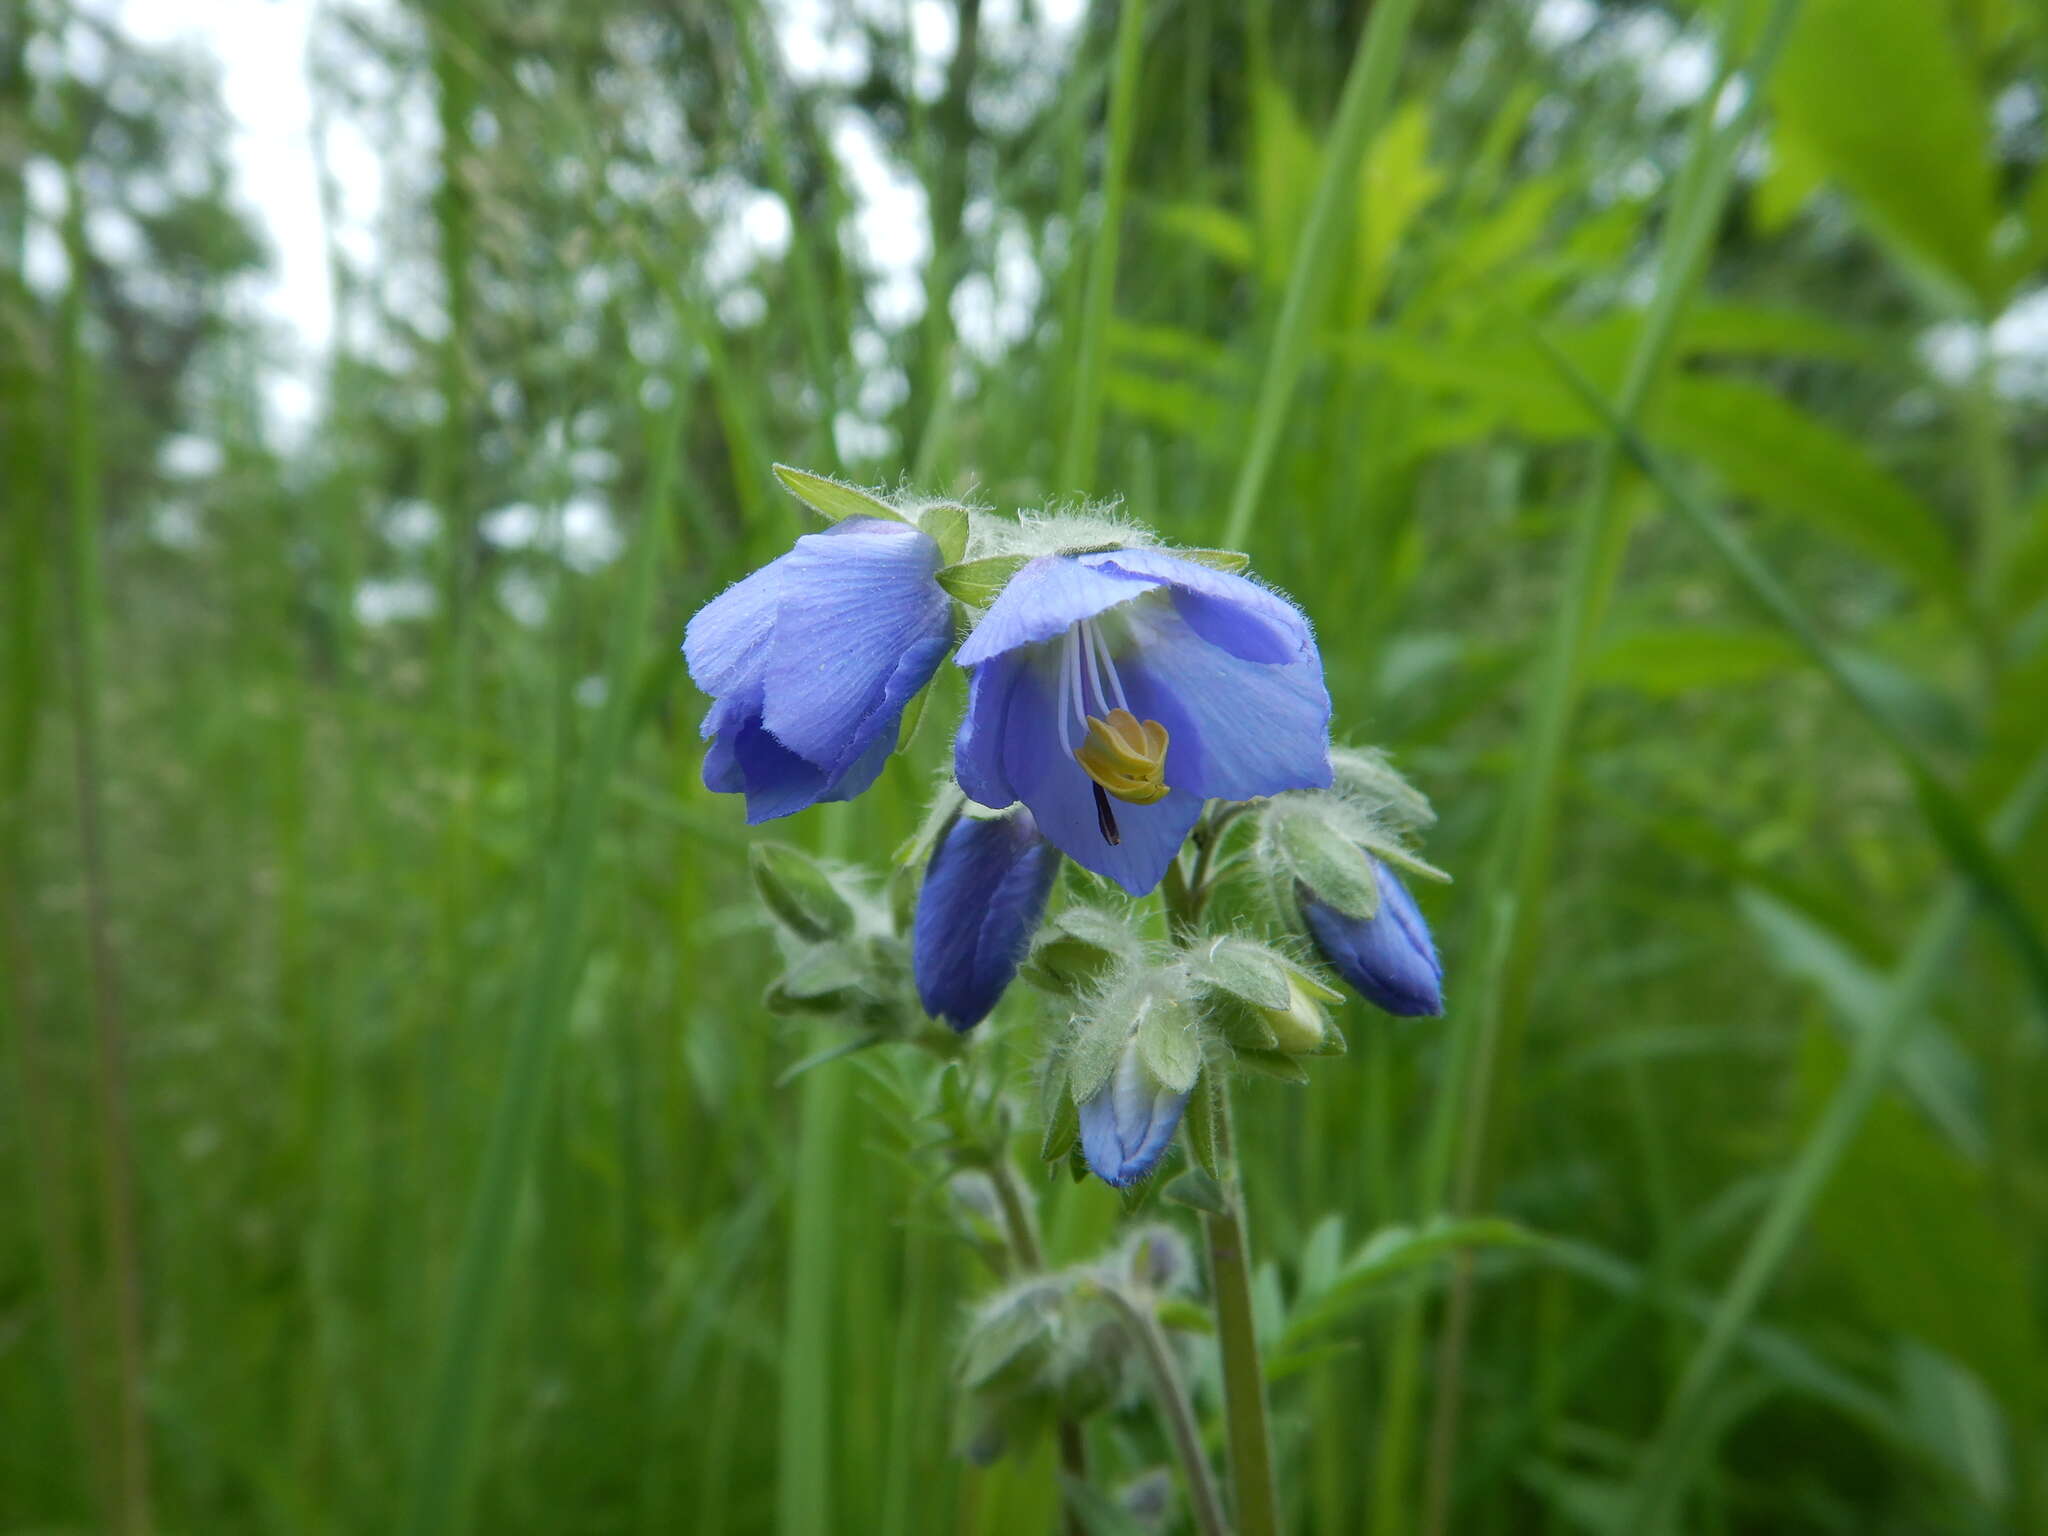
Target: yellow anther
(1124, 757)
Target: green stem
(1179, 1411)
(1248, 1435)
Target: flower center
(1124, 756)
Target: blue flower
(1127, 1126)
(983, 894)
(1389, 958)
(1113, 693)
(811, 659)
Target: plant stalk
(1178, 1409)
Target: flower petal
(860, 626)
(725, 639)
(1246, 619)
(1048, 780)
(983, 894)
(745, 759)
(978, 745)
(1045, 599)
(1389, 959)
(1237, 728)
(1127, 1126)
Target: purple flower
(1129, 1123)
(983, 894)
(1113, 693)
(811, 659)
(1388, 958)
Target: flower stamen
(1125, 757)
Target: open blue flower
(1129, 1123)
(1389, 958)
(1115, 692)
(983, 894)
(811, 659)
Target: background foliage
(391, 1112)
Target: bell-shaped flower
(1113, 693)
(983, 894)
(1129, 1123)
(1389, 958)
(811, 660)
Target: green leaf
(1769, 449)
(1222, 234)
(833, 498)
(1177, 1312)
(1666, 662)
(1390, 1253)
(977, 582)
(1919, 1232)
(1879, 93)
(946, 522)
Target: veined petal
(1237, 728)
(983, 894)
(1389, 959)
(978, 746)
(1046, 778)
(1246, 619)
(860, 626)
(1045, 599)
(726, 638)
(1127, 1126)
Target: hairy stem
(1178, 1409)
(1226, 1233)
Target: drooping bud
(984, 892)
(1133, 1069)
(1262, 1001)
(1157, 1258)
(1302, 1028)
(800, 894)
(1389, 957)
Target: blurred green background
(383, 383)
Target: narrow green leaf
(833, 499)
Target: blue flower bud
(984, 892)
(1128, 1124)
(1388, 958)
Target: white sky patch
(2019, 350)
(394, 600)
(260, 47)
(819, 45)
(1561, 23)
(890, 228)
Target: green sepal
(1394, 854)
(1244, 1026)
(1056, 1113)
(1245, 970)
(1170, 1044)
(799, 894)
(976, 582)
(1274, 1064)
(1334, 869)
(1198, 1126)
(913, 717)
(828, 978)
(833, 499)
(1196, 1188)
(945, 522)
(1230, 560)
(1098, 1044)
